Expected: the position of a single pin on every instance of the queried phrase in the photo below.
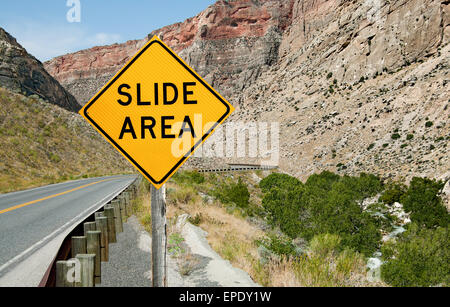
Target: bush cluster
(326, 203)
(421, 257)
(279, 245)
(233, 192)
(423, 201)
(191, 177)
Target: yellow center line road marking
(50, 196)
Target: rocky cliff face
(356, 85)
(21, 72)
(228, 39)
(83, 73)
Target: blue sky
(43, 29)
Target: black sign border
(120, 148)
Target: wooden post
(159, 240)
(109, 213)
(61, 274)
(102, 225)
(123, 213)
(94, 247)
(117, 216)
(62, 268)
(87, 269)
(89, 226)
(126, 197)
(131, 191)
(78, 246)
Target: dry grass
(43, 144)
(142, 205)
(229, 234)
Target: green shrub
(423, 201)
(428, 124)
(393, 193)
(188, 177)
(323, 181)
(284, 209)
(420, 258)
(174, 244)
(326, 203)
(196, 220)
(234, 192)
(183, 195)
(410, 137)
(278, 180)
(330, 74)
(395, 136)
(337, 269)
(279, 245)
(55, 158)
(324, 245)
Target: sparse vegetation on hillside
(42, 144)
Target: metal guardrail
(237, 168)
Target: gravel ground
(130, 259)
(129, 262)
(212, 270)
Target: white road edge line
(73, 221)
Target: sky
(49, 28)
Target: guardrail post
(89, 226)
(133, 191)
(87, 269)
(123, 212)
(102, 225)
(78, 246)
(62, 269)
(109, 213)
(94, 247)
(126, 198)
(159, 240)
(117, 216)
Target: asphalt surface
(31, 218)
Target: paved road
(32, 219)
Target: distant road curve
(34, 222)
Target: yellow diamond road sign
(156, 111)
